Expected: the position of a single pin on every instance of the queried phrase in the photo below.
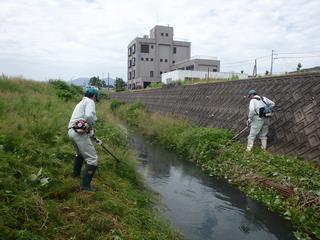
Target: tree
(119, 85)
(104, 84)
(299, 66)
(95, 81)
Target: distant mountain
(83, 81)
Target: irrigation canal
(203, 207)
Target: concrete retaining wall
(295, 126)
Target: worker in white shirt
(260, 110)
(81, 128)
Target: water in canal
(203, 207)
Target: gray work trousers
(260, 127)
(84, 147)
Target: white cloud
(44, 39)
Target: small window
(151, 46)
(173, 61)
(161, 60)
(174, 49)
(134, 61)
(151, 73)
(134, 74)
(160, 73)
(133, 48)
(166, 60)
(129, 75)
(147, 59)
(151, 59)
(142, 59)
(144, 48)
(162, 34)
(167, 34)
(129, 51)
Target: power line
(240, 64)
(300, 53)
(298, 57)
(248, 60)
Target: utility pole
(271, 62)
(254, 73)
(108, 81)
(102, 79)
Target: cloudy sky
(43, 39)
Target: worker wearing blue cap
(258, 118)
(81, 127)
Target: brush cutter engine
(81, 127)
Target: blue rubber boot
(78, 162)
(88, 173)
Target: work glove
(249, 122)
(98, 141)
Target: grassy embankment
(285, 184)
(38, 197)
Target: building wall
(294, 128)
(186, 74)
(183, 51)
(197, 65)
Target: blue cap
(252, 92)
(91, 91)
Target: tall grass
(38, 197)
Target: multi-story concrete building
(150, 56)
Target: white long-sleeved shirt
(85, 110)
(256, 104)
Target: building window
(133, 48)
(134, 74)
(167, 34)
(166, 60)
(173, 62)
(142, 59)
(129, 75)
(214, 70)
(160, 73)
(191, 67)
(174, 49)
(151, 59)
(129, 51)
(144, 48)
(162, 34)
(161, 60)
(134, 61)
(151, 73)
(147, 59)
(151, 46)
(130, 64)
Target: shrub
(115, 104)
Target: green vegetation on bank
(38, 197)
(285, 184)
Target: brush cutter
(238, 135)
(99, 142)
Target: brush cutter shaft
(99, 142)
(236, 136)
